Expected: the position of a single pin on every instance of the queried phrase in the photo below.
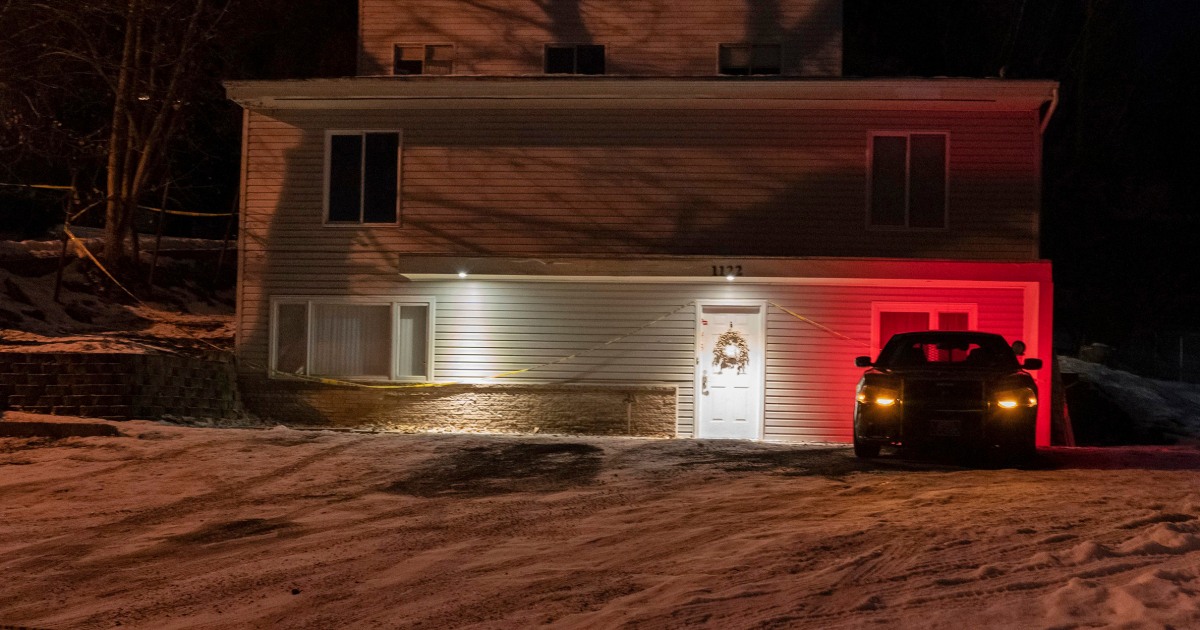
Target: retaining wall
(647, 411)
(120, 386)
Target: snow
(180, 314)
(178, 527)
(1167, 406)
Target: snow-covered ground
(181, 313)
(175, 527)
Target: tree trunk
(117, 205)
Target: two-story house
(652, 218)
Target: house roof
(528, 92)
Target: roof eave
(534, 92)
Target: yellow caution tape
(80, 246)
(818, 325)
(38, 186)
(182, 213)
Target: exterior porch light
(462, 274)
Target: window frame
(328, 170)
(425, 57)
(394, 302)
(574, 46)
(907, 135)
(750, 68)
(933, 309)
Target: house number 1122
(727, 270)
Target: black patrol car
(967, 390)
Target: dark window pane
(560, 60)
(894, 323)
(927, 196)
(345, 178)
(404, 67)
(590, 59)
(766, 58)
(954, 321)
(408, 60)
(379, 185)
(734, 59)
(887, 181)
(439, 59)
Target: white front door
(729, 371)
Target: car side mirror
(1018, 347)
(863, 362)
(1032, 364)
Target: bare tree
(108, 81)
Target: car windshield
(947, 350)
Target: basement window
(574, 59)
(749, 58)
(908, 180)
(362, 177)
(409, 59)
(360, 339)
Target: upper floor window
(574, 59)
(747, 59)
(362, 182)
(908, 175)
(423, 59)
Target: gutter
(1049, 112)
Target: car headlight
(1015, 398)
(876, 395)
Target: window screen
(927, 176)
(888, 180)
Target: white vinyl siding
(487, 328)
(360, 339)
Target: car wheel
(864, 449)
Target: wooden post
(62, 257)
(162, 217)
(233, 212)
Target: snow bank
(1170, 407)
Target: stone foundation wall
(120, 386)
(647, 411)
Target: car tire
(865, 450)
